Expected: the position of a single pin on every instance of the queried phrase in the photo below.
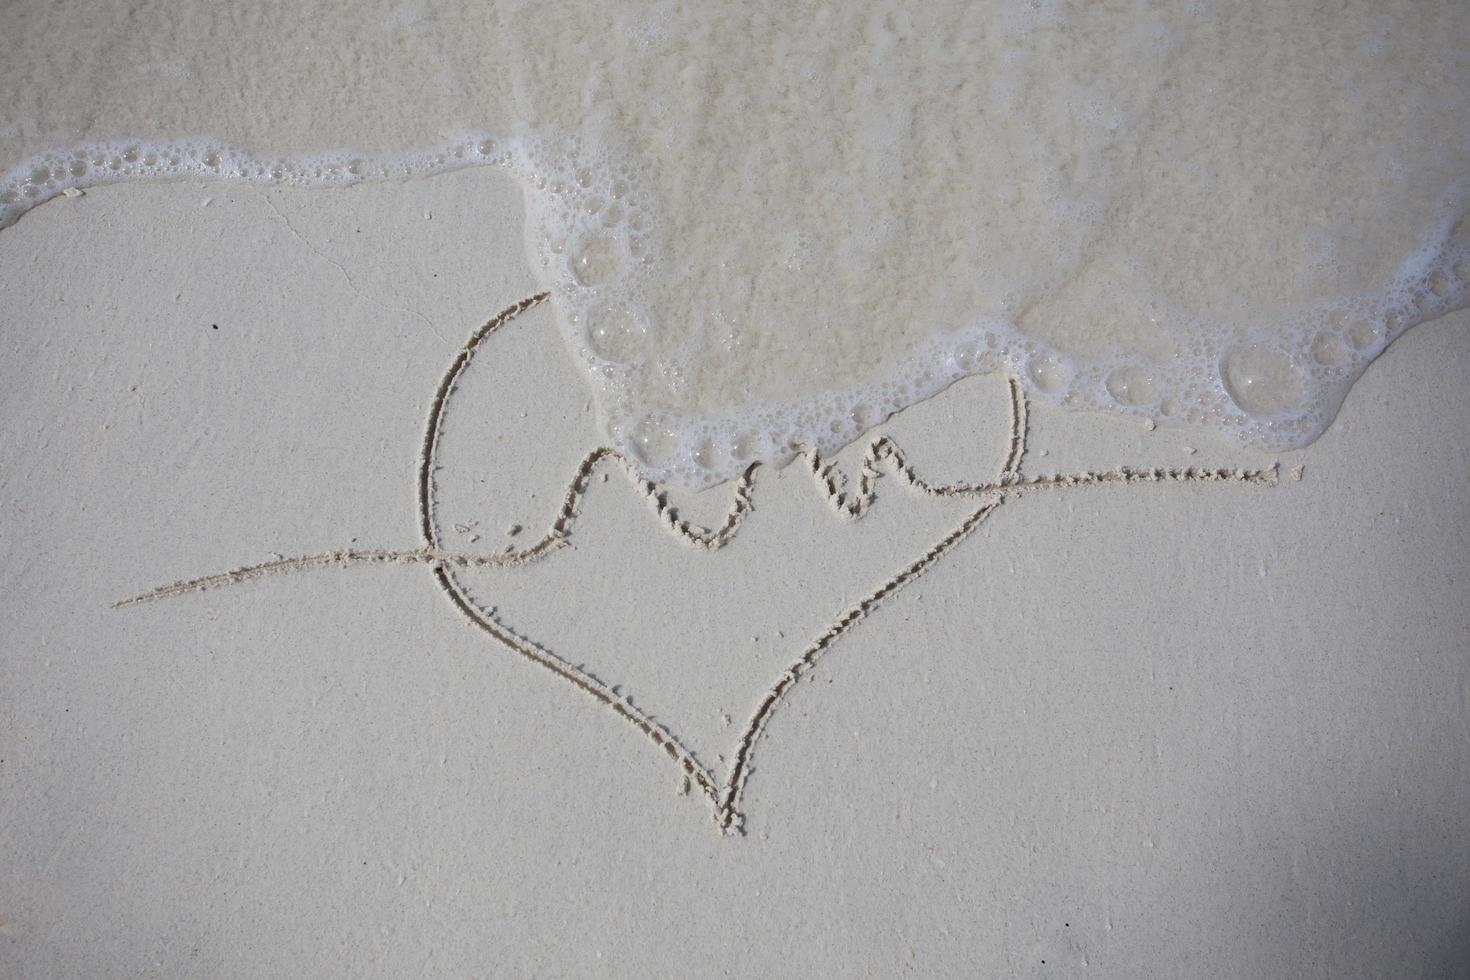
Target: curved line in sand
(728, 814)
(450, 584)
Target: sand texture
(1153, 706)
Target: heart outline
(724, 799)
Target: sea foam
(766, 229)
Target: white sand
(1196, 730)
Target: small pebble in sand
(1149, 425)
(1297, 471)
(1189, 450)
(70, 192)
(513, 530)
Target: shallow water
(767, 228)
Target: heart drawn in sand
(724, 794)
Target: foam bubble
(616, 333)
(1131, 385)
(1263, 381)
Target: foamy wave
(1274, 385)
(768, 226)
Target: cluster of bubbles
(705, 450)
(1274, 385)
(594, 242)
(48, 175)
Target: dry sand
(1183, 729)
